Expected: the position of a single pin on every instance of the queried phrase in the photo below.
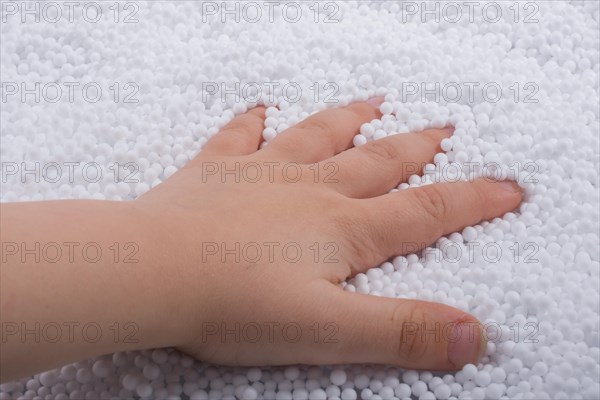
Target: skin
(191, 288)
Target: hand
(260, 240)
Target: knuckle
(322, 130)
(410, 346)
(360, 238)
(237, 133)
(358, 113)
(318, 124)
(479, 199)
(432, 202)
(349, 222)
(256, 115)
(239, 123)
(381, 150)
(429, 137)
(353, 225)
(284, 143)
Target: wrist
(173, 275)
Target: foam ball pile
(521, 91)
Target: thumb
(412, 334)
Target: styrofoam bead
(160, 356)
(130, 381)
(442, 392)
(101, 369)
(67, 373)
(440, 158)
(83, 375)
(469, 371)
(386, 108)
(427, 396)
(498, 375)
(359, 140)
(169, 171)
(348, 394)
(366, 393)
(367, 130)
(151, 371)
(483, 378)
(379, 134)
(469, 234)
(338, 376)
(48, 378)
(292, 373)
(317, 394)
(144, 389)
(402, 391)
(418, 388)
(375, 385)
(446, 144)
(199, 395)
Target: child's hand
(259, 241)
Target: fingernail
(510, 186)
(376, 101)
(467, 346)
